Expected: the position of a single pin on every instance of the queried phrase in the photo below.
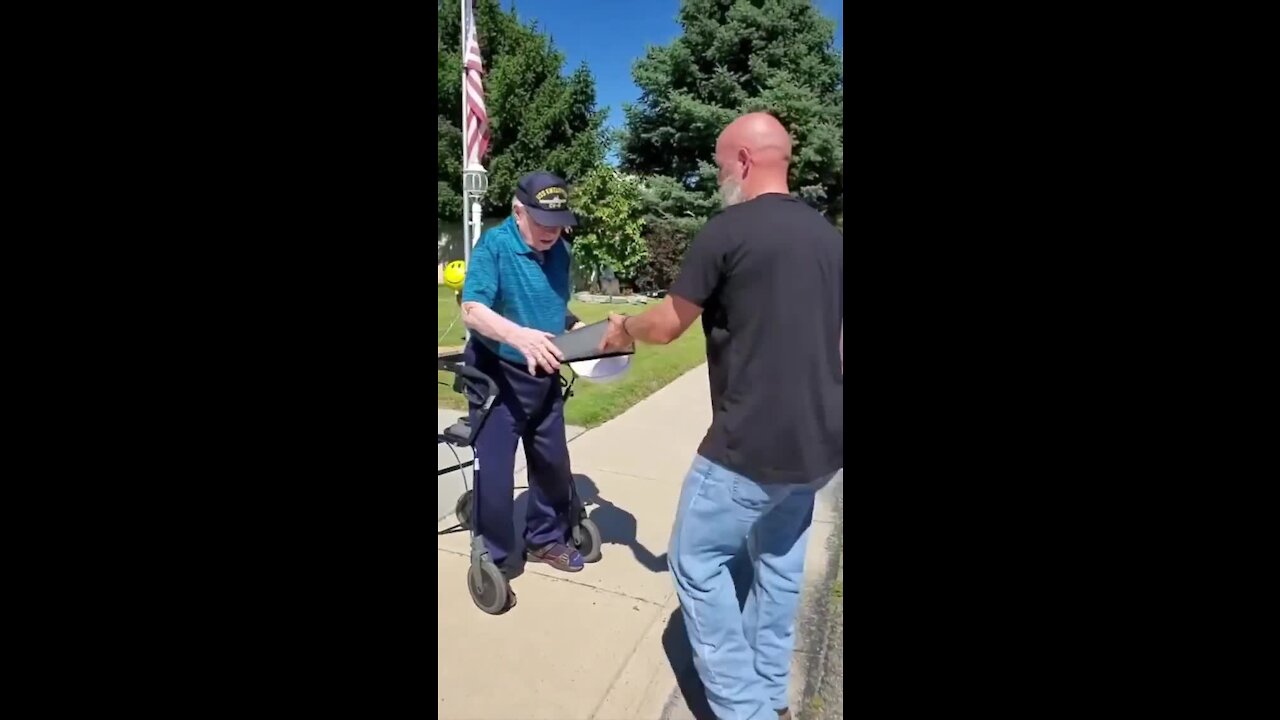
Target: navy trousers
(529, 408)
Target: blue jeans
(743, 657)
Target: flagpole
(466, 226)
(474, 178)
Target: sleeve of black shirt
(569, 319)
(703, 266)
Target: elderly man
(515, 300)
(767, 277)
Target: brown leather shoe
(784, 714)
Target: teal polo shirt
(509, 277)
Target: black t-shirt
(769, 276)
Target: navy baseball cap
(546, 198)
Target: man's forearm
(485, 321)
(662, 323)
(643, 328)
(655, 326)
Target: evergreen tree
(738, 56)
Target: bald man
(767, 278)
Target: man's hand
(616, 337)
(577, 325)
(537, 349)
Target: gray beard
(730, 194)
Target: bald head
(753, 154)
(756, 132)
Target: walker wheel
(489, 589)
(586, 538)
(462, 511)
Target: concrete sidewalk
(606, 643)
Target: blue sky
(610, 34)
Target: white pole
(466, 244)
(466, 236)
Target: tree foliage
(539, 119)
(666, 241)
(610, 210)
(738, 56)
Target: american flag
(475, 135)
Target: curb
(824, 623)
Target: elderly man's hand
(577, 325)
(537, 349)
(616, 337)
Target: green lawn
(592, 404)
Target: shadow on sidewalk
(617, 526)
(675, 641)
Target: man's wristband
(624, 327)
